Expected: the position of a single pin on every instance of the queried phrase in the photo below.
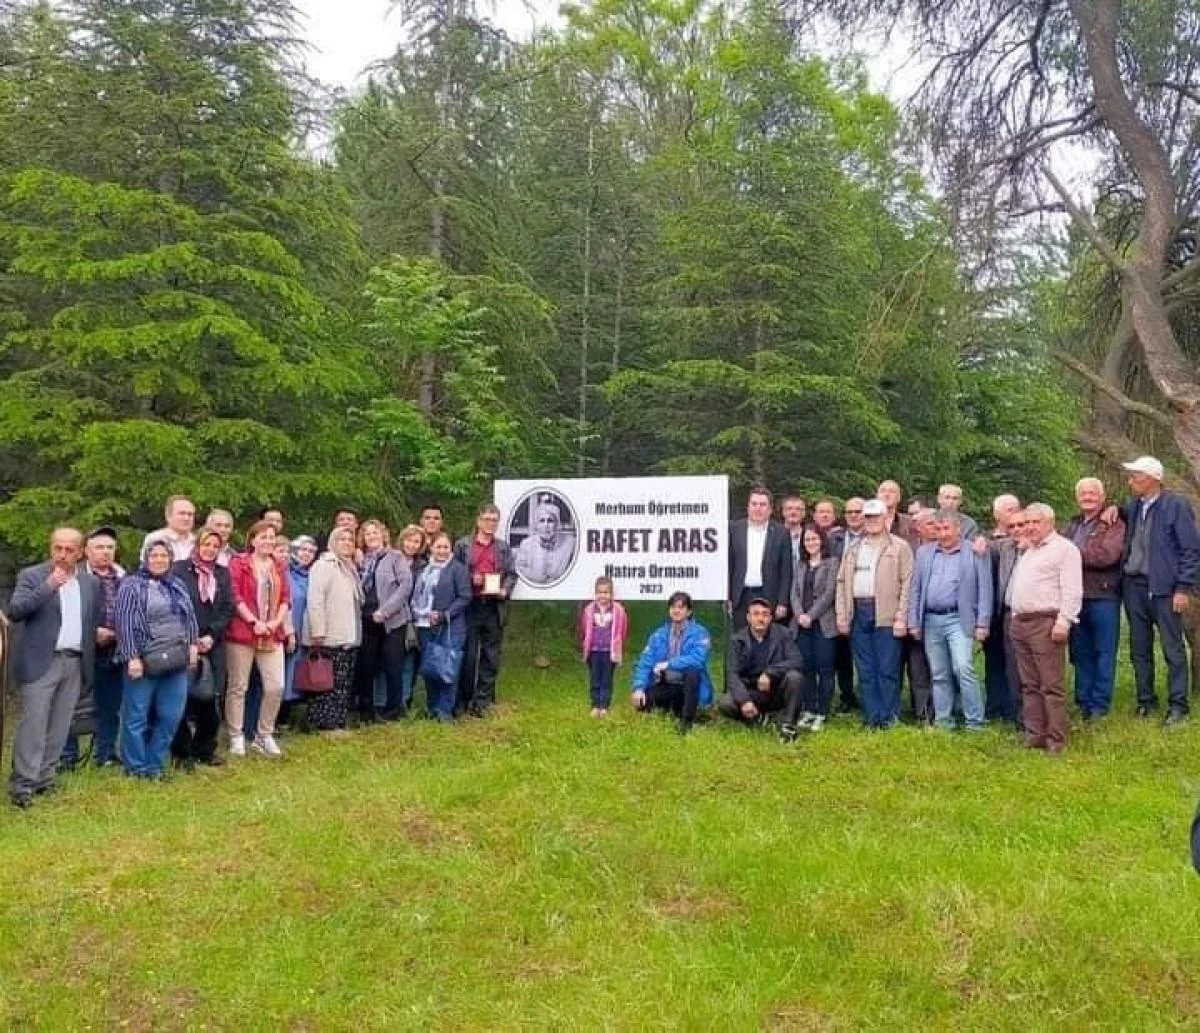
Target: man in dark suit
(55, 602)
(760, 560)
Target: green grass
(544, 870)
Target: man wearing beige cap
(1162, 553)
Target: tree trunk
(585, 316)
(1142, 272)
(758, 459)
(618, 318)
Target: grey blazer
(35, 606)
(823, 611)
(394, 585)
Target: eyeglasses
(854, 512)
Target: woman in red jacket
(262, 598)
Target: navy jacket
(35, 606)
(1174, 548)
(452, 597)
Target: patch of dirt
(801, 1018)
(692, 905)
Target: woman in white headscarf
(546, 554)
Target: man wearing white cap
(1162, 553)
(872, 608)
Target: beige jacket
(893, 581)
(334, 605)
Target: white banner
(651, 535)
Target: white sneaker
(267, 746)
(818, 722)
(806, 720)
(237, 746)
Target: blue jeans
(439, 695)
(151, 710)
(600, 677)
(106, 698)
(1093, 645)
(819, 654)
(877, 654)
(951, 653)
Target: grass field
(543, 870)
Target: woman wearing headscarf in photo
(439, 605)
(334, 623)
(412, 549)
(303, 555)
(208, 587)
(545, 555)
(156, 642)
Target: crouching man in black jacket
(762, 671)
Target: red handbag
(314, 674)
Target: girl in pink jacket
(603, 626)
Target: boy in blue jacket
(672, 672)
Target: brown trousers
(1041, 665)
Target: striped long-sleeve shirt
(133, 627)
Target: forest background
(668, 236)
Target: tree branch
(1130, 405)
(1084, 222)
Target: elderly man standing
(1001, 685)
(1162, 552)
(56, 602)
(1093, 642)
(872, 608)
(950, 496)
(180, 512)
(950, 608)
(1046, 595)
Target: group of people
(201, 634)
(888, 593)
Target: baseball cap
(874, 507)
(103, 531)
(1148, 465)
(758, 600)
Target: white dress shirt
(756, 544)
(70, 631)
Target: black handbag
(165, 657)
(202, 687)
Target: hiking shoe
(237, 746)
(267, 746)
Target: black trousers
(677, 692)
(920, 679)
(481, 656)
(786, 695)
(392, 654)
(370, 662)
(843, 665)
(1147, 613)
(196, 736)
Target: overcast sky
(347, 35)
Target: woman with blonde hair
(386, 585)
(262, 596)
(333, 623)
(414, 543)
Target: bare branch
(1130, 405)
(1085, 223)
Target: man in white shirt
(760, 560)
(180, 512)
